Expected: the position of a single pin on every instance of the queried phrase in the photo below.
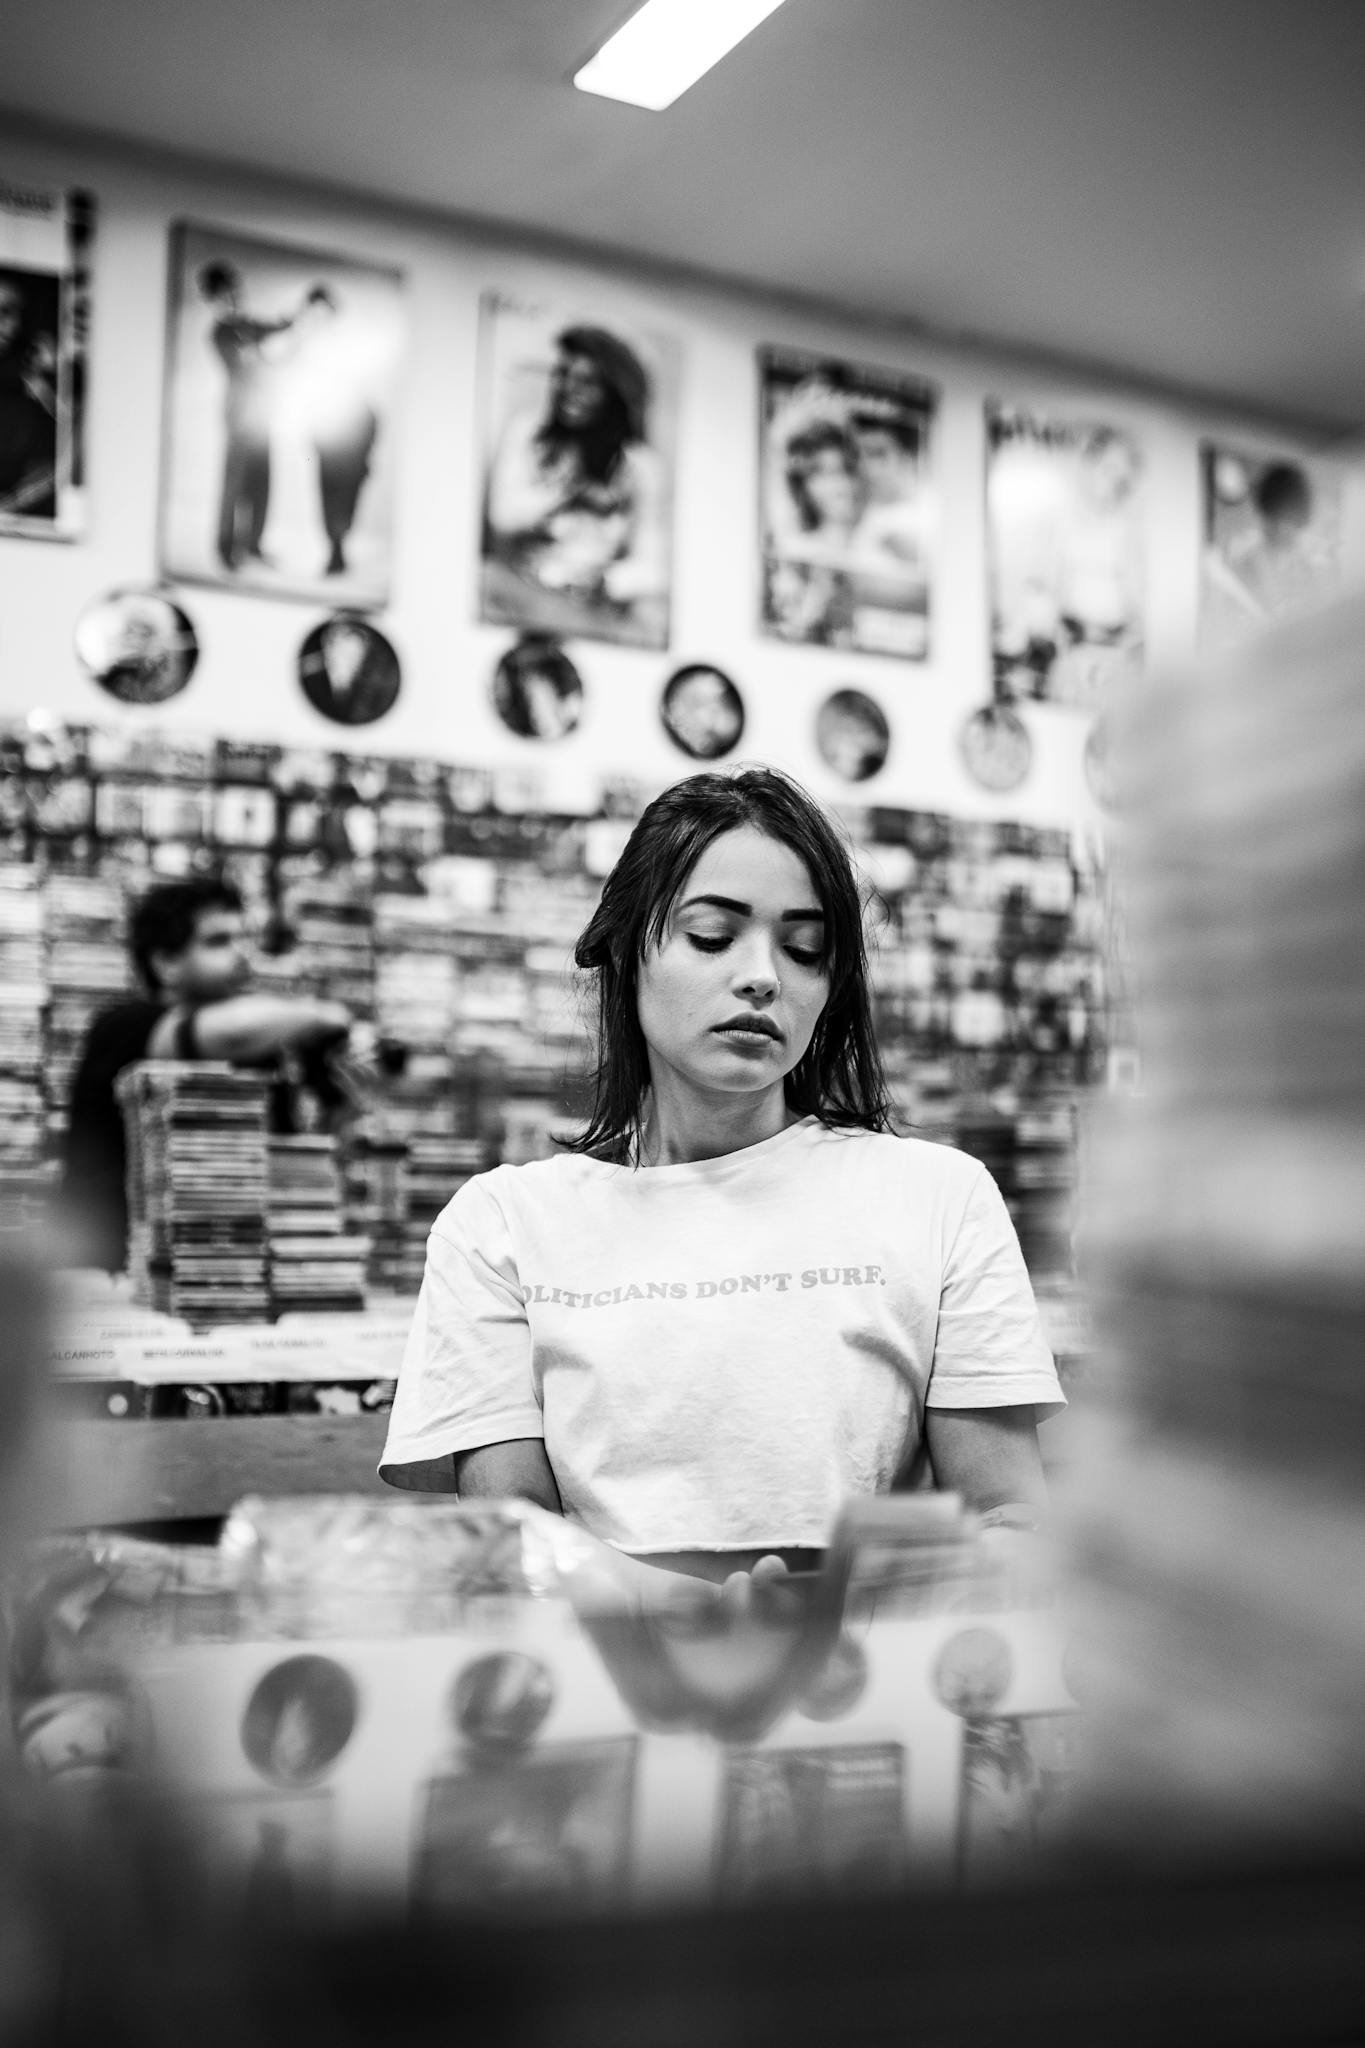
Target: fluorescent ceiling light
(666, 46)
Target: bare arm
(248, 1027)
(519, 1470)
(988, 1455)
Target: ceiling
(1174, 189)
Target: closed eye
(804, 956)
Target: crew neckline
(724, 1163)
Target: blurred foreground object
(473, 1707)
(1222, 1528)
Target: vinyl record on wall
(852, 734)
(138, 645)
(702, 711)
(537, 691)
(996, 747)
(348, 671)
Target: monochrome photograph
(45, 293)
(1271, 543)
(847, 524)
(579, 420)
(1065, 549)
(279, 450)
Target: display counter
(302, 1403)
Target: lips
(750, 1027)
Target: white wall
(245, 681)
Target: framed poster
(580, 427)
(1065, 549)
(1272, 541)
(278, 445)
(45, 243)
(847, 527)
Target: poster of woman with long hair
(45, 240)
(847, 507)
(580, 425)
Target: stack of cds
(314, 1263)
(377, 1202)
(87, 966)
(22, 998)
(333, 924)
(1223, 1537)
(197, 1189)
(415, 974)
(436, 1167)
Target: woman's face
(743, 947)
(833, 487)
(702, 712)
(578, 391)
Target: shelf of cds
(442, 903)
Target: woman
(810, 594)
(573, 491)
(737, 1300)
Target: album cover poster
(846, 516)
(45, 249)
(553, 1826)
(818, 1819)
(272, 1854)
(1271, 542)
(1017, 1771)
(1065, 551)
(278, 446)
(579, 420)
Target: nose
(756, 974)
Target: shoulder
(913, 1158)
(503, 1193)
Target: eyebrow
(746, 909)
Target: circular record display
(348, 671)
(702, 711)
(852, 734)
(138, 645)
(996, 748)
(537, 691)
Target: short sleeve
(466, 1377)
(990, 1351)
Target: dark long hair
(839, 1077)
(621, 420)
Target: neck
(678, 1128)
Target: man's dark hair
(839, 1079)
(164, 920)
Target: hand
(743, 1592)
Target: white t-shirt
(718, 1354)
